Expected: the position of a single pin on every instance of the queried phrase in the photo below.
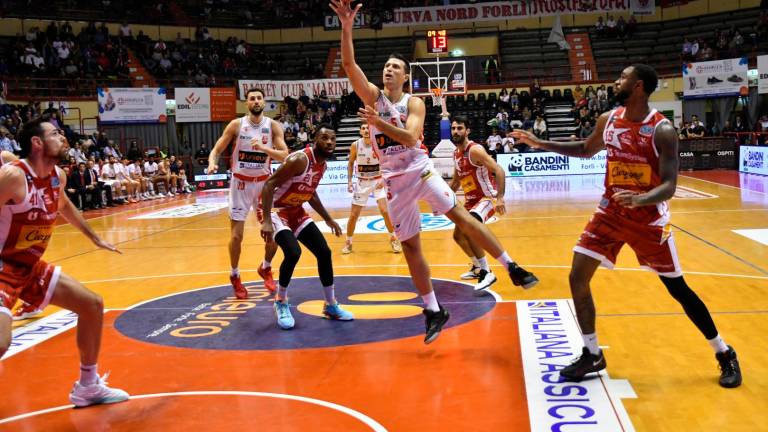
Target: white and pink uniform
(250, 168)
(408, 172)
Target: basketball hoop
(437, 96)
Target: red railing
(749, 138)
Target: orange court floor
(195, 358)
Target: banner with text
(715, 78)
(131, 105)
(546, 163)
(762, 71)
(753, 160)
(509, 10)
(205, 104)
(278, 90)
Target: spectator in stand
(76, 152)
(508, 143)
(740, 127)
(133, 151)
(621, 27)
(290, 140)
(695, 48)
(540, 127)
(736, 44)
(610, 26)
(93, 174)
(600, 27)
(302, 137)
(491, 70)
(578, 93)
(493, 139)
(686, 53)
(602, 99)
(586, 129)
(631, 25)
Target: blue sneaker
(335, 312)
(284, 318)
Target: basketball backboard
(449, 75)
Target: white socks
(235, 271)
(504, 259)
(483, 264)
(282, 293)
(266, 264)
(590, 341)
(88, 374)
(430, 302)
(330, 295)
(718, 344)
(475, 262)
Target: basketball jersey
(396, 158)
(633, 164)
(26, 227)
(367, 160)
(245, 160)
(300, 188)
(475, 180)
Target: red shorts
(483, 207)
(34, 286)
(654, 246)
(294, 219)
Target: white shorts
(484, 208)
(364, 188)
(403, 195)
(243, 195)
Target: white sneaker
(471, 274)
(486, 279)
(97, 393)
(347, 249)
(160, 195)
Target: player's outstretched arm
(584, 149)
(228, 136)
(665, 138)
(73, 216)
(364, 89)
(294, 164)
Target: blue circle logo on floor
(385, 308)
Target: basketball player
(257, 139)
(641, 176)
(32, 195)
(293, 184)
(396, 123)
(473, 167)
(368, 181)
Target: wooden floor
(192, 366)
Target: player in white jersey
(256, 140)
(369, 181)
(396, 122)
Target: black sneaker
(521, 277)
(485, 280)
(735, 79)
(435, 322)
(473, 273)
(730, 372)
(713, 80)
(583, 365)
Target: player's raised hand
(526, 137)
(343, 9)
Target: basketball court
(176, 339)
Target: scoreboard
(437, 41)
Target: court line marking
(723, 250)
(373, 424)
(723, 184)
(172, 275)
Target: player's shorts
(244, 195)
(483, 208)
(365, 187)
(35, 286)
(293, 219)
(654, 246)
(404, 192)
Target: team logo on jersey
(265, 130)
(55, 181)
(385, 308)
(646, 130)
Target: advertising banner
(205, 104)
(762, 71)
(131, 105)
(753, 160)
(278, 90)
(715, 78)
(546, 164)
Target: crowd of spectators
(57, 51)
(612, 28)
(725, 42)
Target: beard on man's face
(457, 139)
(256, 109)
(621, 96)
